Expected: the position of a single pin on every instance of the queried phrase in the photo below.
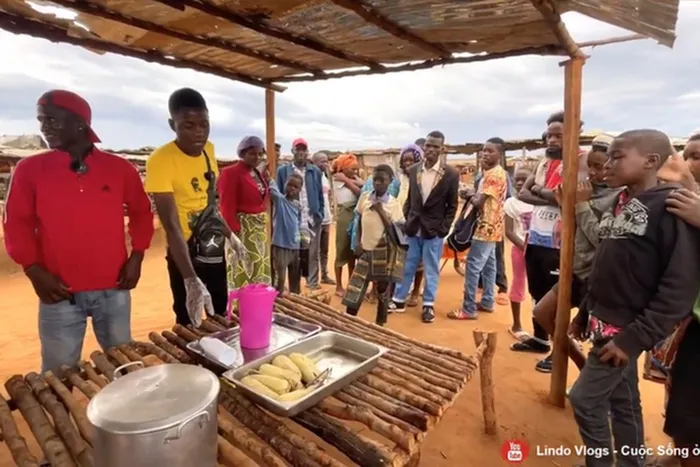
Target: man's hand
(611, 353)
(686, 205)
(131, 272)
(578, 329)
(49, 288)
(198, 299)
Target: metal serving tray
(285, 331)
(348, 357)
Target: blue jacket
(313, 184)
(285, 221)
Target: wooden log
(309, 448)
(92, 374)
(423, 381)
(391, 378)
(231, 456)
(176, 340)
(226, 323)
(185, 333)
(456, 354)
(49, 441)
(393, 407)
(103, 364)
(360, 450)
(371, 421)
(196, 332)
(431, 377)
(76, 409)
(79, 449)
(403, 395)
(150, 348)
(15, 442)
(290, 453)
(78, 382)
(162, 343)
(405, 426)
(130, 353)
(406, 363)
(236, 435)
(121, 359)
(488, 401)
(209, 326)
(152, 360)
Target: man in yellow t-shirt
(176, 176)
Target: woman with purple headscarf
(243, 192)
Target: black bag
(207, 244)
(397, 235)
(461, 237)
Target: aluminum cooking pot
(164, 415)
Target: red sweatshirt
(73, 225)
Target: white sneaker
(394, 308)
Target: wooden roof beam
(20, 25)
(549, 11)
(261, 26)
(100, 11)
(373, 16)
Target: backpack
(460, 239)
(207, 244)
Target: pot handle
(118, 370)
(203, 417)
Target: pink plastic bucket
(255, 305)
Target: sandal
(519, 336)
(412, 302)
(530, 345)
(461, 315)
(502, 299)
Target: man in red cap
(312, 205)
(64, 224)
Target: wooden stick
(103, 364)
(152, 360)
(360, 450)
(121, 359)
(196, 332)
(79, 449)
(234, 434)
(51, 444)
(210, 326)
(309, 448)
(76, 409)
(419, 368)
(388, 404)
(176, 340)
(130, 353)
(185, 333)
(162, 343)
(374, 423)
(401, 394)
(15, 442)
(92, 374)
(150, 348)
(423, 381)
(231, 456)
(410, 386)
(405, 426)
(224, 321)
(78, 382)
(488, 402)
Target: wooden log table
(399, 401)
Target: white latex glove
(238, 247)
(198, 299)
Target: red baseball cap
(74, 104)
(300, 142)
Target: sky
(625, 86)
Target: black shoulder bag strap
(211, 196)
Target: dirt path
(458, 440)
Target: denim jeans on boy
(481, 262)
(605, 397)
(62, 325)
(430, 251)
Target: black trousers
(383, 293)
(287, 264)
(501, 278)
(325, 244)
(214, 278)
(542, 265)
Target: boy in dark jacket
(644, 282)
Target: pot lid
(153, 399)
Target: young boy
(286, 236)
(644, 282)
(380, 260)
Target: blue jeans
(62, 325)
(430, 251)
(481, 261)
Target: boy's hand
(686, 205)
(584, 192)
(578, 329)
(359, 251)
(613, 354)
(377, 206)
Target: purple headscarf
(249, 142)
(417, 151)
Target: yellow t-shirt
(169, 170)
(372, 226)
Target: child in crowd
(380, 259)
(593, 198)
(286, 234)
(645, 280)
(517, 219)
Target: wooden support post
(572, 125)
(486, 349)
(271, 150)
